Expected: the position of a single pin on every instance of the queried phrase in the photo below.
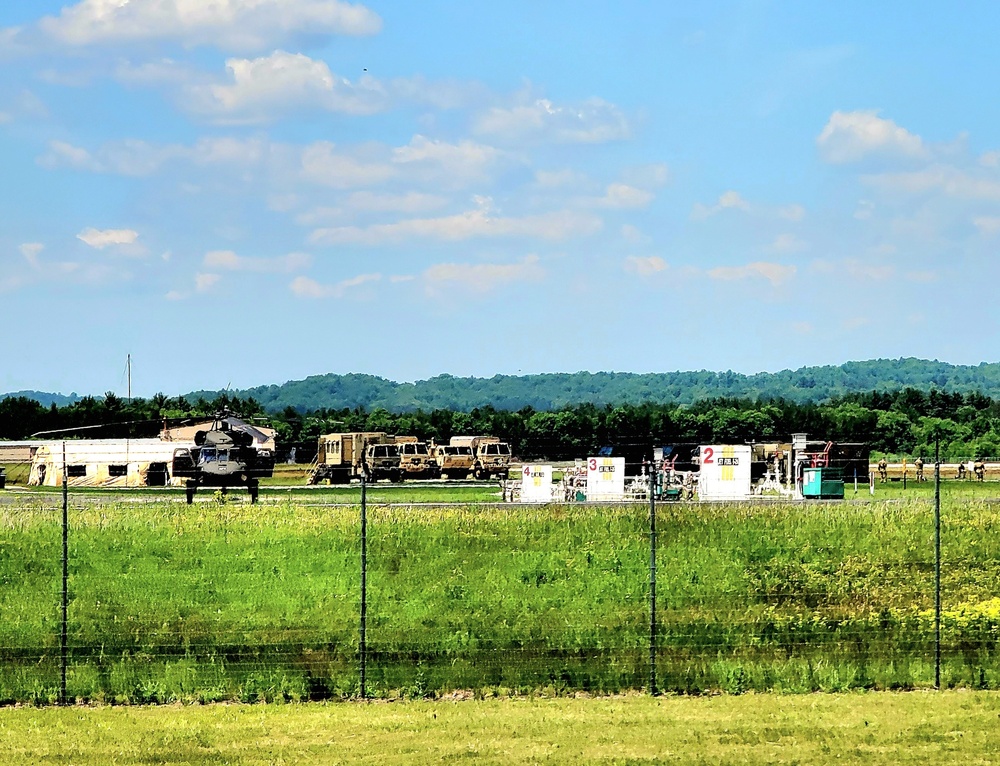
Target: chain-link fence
(227, 600)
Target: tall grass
(223, 600)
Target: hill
(44, 398)
(554, 390)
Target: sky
(244, 192)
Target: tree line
(556, 391)
(895, 423)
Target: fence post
(652, 578)
(363, 643)
(937, 565)
(63, 633)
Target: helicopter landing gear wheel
(190, 487)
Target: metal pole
(65, 582)
(652, 579)
(937, 565)
(363, 643)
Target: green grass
(231, 601)
(869, 729)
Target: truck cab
(382, 462)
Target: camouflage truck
(490, 456)
(415, 459)
(453, 462)
(342, 457)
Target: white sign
(606, 478)
(536, 484)
(724, 472)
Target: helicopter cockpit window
(208, 455)
(223, 455)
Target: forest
(903, 422)
(555, 391)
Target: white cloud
(102, 238)
(464, 161)
(482, 277)
(30, 251)
(554, 226)
(204, 282)
(852, 136)
(593, 121)
(227, 260)
(225, 24)
(139, 158)
(988, 225)
(729, 200)
(553, 179)
(792, 212)
(62, 154)
(261, 89)
(865, 210)
(990, 159)
(787, 243)
(310, 288)
(619, 195)
(175, 295)
(633, 235)
(644, 266)
(775, 273)
(944, 179)
(648, 176)
(373, 202)
(323, 165)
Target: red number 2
(707, 456)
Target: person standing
(883, 470)
(919, 465)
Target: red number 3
(593, 464)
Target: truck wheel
(478, 474)
(396, 476)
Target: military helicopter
(224, 456)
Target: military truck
(490, 456)
(415, 459)
(453, 462)
(342, 457)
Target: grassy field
(225, 601)
(870, 729)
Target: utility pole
(363, 643)
(652, 579)
(63, 633)
(937, 564)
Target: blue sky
(241, 192)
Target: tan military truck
(342, 457)
(453, 462)
(415, 459)
(490, 456)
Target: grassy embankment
(868, 729)
(229, 601)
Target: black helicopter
(224, 456)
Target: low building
(105, 463)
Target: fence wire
(226, 600)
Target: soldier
(883, 470)
(979, 468)
(919, 465)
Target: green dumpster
(823, 483)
